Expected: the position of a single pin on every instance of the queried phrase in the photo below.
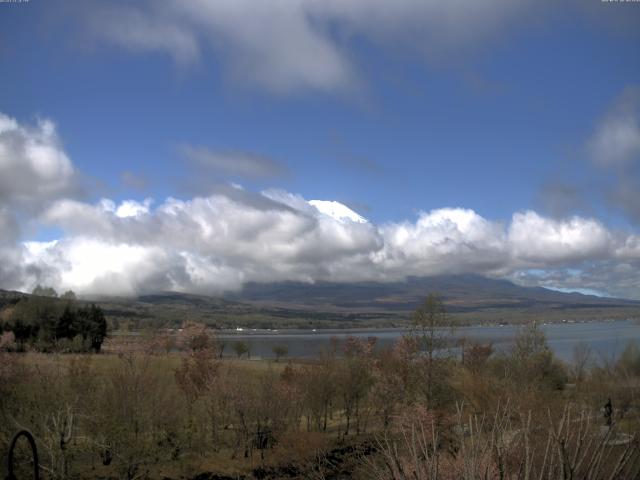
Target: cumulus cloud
(204, 244)
(217, 243)
(220, 241)
(233, 163)
(442, 241)
(34, 169)
(11, 271)
(287, 46)
(538, 240)
(33, 165)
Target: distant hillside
(471, 297)
(461, 293)
(8, 297)
(172, 309)
(468, 298)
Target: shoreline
(256, 332)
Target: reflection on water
(606, 339)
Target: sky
(196, 146)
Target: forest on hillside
(45, 322)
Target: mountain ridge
(470, 299)
(458, 291)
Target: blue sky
(392, 112)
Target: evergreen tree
(97, 327)
(44, 291)
(65, 326)
(69, 295)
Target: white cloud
(629, 248)
(34, 169)
(286, 46)
(428, 27)
(101, 267)
(614, 146)
(132, 28)
(535, 239)
(219, 242)
(272, 44)
(216, 243)
(131, 208)
(616, 141)
(33, 165)
(232, 237)
(443, 241)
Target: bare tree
(506, 445)
(433, 330)
(280, 351)
(355, 378)
(138, 415)
(581, 359)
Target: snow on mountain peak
(337, 211)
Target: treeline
(155, 414)
(45, 323)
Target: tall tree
(69, 295)
(44, 291)
(432, 325)
(240, 348)
(66, 323)
(280, 351)
(98, 327)
(433, 331)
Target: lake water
(607, 339)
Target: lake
(607, 339)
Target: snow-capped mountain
(337, 210)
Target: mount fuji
(337, 211)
